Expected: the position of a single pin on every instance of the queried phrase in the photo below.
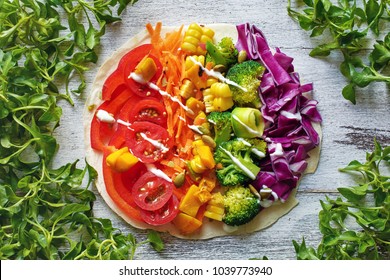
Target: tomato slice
(142, 90)
(151, 192)
(149, 109)
(118, 77)
(148, 141)
(163, 215)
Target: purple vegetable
(288, 114)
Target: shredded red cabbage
(289, 115)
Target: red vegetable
(148, 141)
(151, 192)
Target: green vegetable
(246, 74)
(247, 122)
(223, 53)
(221, 126)
(349, 25)
(356, 225)
(46, 213)
(241, 206)
(235, 162)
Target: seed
(209, 141)
(242, 56)
(220, 68)
(254, 191)
(179, 179)
(265, 193)
(204, 130)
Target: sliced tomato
(163, 215)
(149, 109)
(141, 89)
(148, 141)
(118, 78)
(151, 192)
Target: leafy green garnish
(356, 225)
(46, 212)
(351, 24)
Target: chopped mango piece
(192, 201)
(121, 160)
(186, 224)
(146, 68)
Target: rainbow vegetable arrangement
(202, 127)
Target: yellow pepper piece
(215, 208)
(206, 156)
(146, 68)
(121, 160)
(186, 224)
(195, 105)
(208, 182)
(197, 165)
(212, 215)
(190, 203)
(201, 118)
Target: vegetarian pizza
(201, 130)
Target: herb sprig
(350, 25)
(356, 225)
(46, 213)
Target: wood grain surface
(348, 130)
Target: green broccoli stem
(249, 168)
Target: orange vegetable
(193, 199)
(186, 224)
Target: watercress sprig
(46, 212)
(356, 225)
(350, 24)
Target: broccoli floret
(224, 53)
(246, 74)
(258, 147)
(222, 126)
(241, 206)
(234, 163)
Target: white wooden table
(348, 130)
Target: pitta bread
(209, 228)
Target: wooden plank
(348, 129)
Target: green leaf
(156, 241)
(354, 194)
(349, 93)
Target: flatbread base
(210, 228)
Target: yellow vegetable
(218, 97)
(192, 201)
(195, 38)
(197, 165)
(208, 181)
(192, 71)
(195, 105)
(187, 89)
(186, 224)
(121, 160)
(215, 208)
(146, 68)
(206, 156)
